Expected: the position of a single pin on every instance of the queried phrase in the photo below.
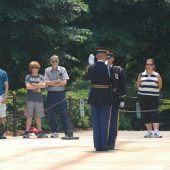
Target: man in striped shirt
(56, 78)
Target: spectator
(34, 101)
(149, 84)
(3, 96)
(56, 78)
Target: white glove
(122, 104)
(91, 59)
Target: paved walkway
(132, 152)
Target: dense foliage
(36, 29)
(136, 30)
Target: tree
(136, 30)
(36, 29)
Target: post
(82, 114)
(14, 115)
(70, 126)
(69, 105)
(138, 113)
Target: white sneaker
(54, 135)
(148, 134)
(157, 134)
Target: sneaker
(26, 134)
(157, 134)
(148, 134)
(2, 131)
(54, 135)
(2, 137)
(41, 134)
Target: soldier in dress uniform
(119, 95)
(100, 99)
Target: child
(34, 101)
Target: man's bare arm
(6, 87)
(62, 83)
(52, 83)
(138, 81)
(159, 82)
(56, 83)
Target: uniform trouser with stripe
(113, 126)
(101, 121)
(54, 97)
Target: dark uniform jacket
(99, 75)
(118, 85)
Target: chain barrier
(135, 111)
(15, 117)
(45, 110)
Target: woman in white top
(149, 84)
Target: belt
(101, 86)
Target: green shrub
(80, 90)
(124, 122)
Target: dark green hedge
(127, 120)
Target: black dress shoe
(112, 147)
(105, 149)
(98, 149)
(102, 150)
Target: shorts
(34, 109)
(147, 102)
(2, 108)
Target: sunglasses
(35, 68)
(55, 61)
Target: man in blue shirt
(3, 96)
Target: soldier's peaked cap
(101, 50)
(111, 53)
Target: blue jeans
(100, 120)
(54, 97)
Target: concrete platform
(133, 152)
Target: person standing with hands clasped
(56, 79)
(149, 84)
